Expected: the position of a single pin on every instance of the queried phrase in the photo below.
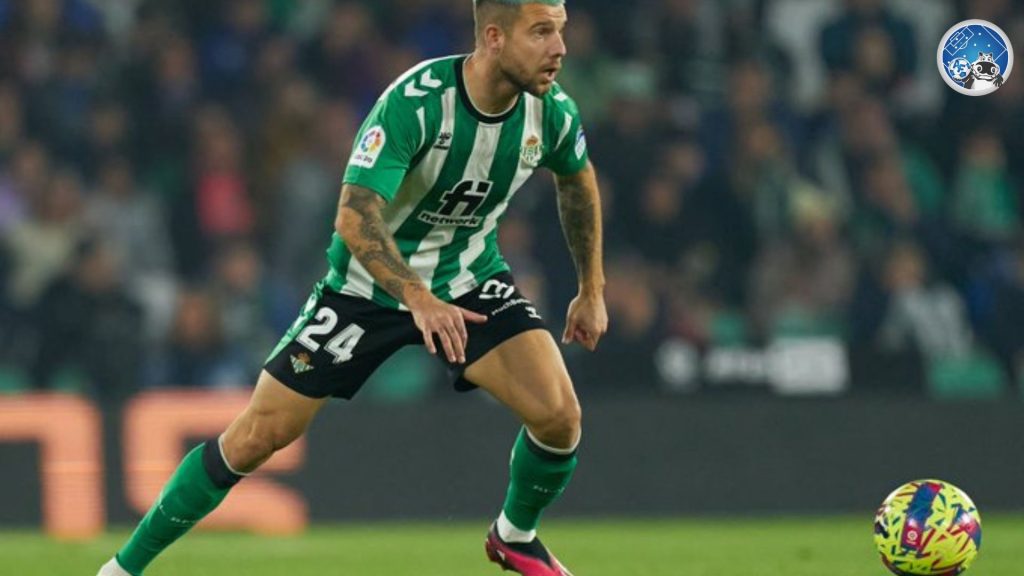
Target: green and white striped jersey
(448, 172)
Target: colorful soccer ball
(928, 528)
(959, 68)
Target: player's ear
(493, 38)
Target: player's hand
(435, 317)
(586, 321)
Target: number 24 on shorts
(341, 345)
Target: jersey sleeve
(385, 146)
(570, 153)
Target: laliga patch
(581, 143)
(369, 147)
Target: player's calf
(200, 483)
(275, 417)
(538, 474)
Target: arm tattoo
(579, 210)
(365, 234)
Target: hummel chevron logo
(426, 80)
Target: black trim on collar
(460, 81)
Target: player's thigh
(275, 416)
(527, 374)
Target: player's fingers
(586, 338)
(460, 329)
(458, 338)
(473, 316)
(428, 341)
(583, 339)
(446, 343)
(570, 328)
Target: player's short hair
(502, 12)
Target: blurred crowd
(169, 175)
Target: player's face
(533, 51)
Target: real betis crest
(301, 363)
(531, 150)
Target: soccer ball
(959, 68)
(928, 528)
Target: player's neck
(489, 91)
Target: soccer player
(414, 260)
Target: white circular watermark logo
(975, 57)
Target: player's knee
(248, 446)
(244, 453)
(560, 425)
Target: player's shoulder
(558, 99)
(427, 79)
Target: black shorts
(339, 340)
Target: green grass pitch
(840, 546)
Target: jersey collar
(460, 81)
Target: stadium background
(813, 249)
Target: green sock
(538, 477)
(186, 499)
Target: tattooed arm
(361, 226)
(579, 209)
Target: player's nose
(558, 46)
